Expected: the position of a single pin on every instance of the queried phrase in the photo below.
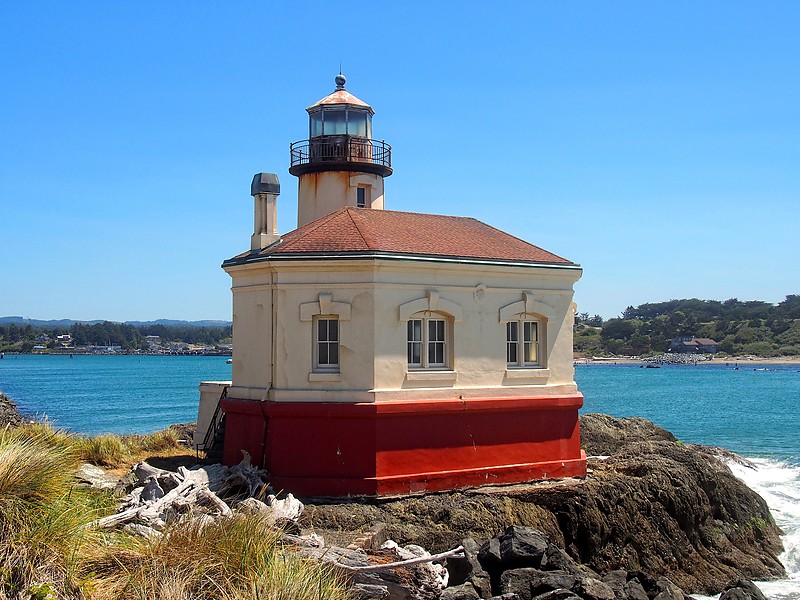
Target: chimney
(265, 190)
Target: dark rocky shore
(654, 508)
(9, 413)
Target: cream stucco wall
(320, 194)
(275, 302)
(253, 328)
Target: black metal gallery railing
(341, 149)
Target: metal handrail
(214, 424)
(341, 148)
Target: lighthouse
(381, 352)
(339, 165)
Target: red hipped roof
(362, 230)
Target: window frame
(359, 117)
(427, 345)
(319, 343)
(521, 326)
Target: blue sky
(657, 144)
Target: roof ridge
(370, 243)
(422, 214)
(307, 228)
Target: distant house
(693, 345)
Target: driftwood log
(160, 494)
(402, 563)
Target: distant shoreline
(86, 353)
(730, 361)
(597, 360)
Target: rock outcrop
(654, 509)
(9, 413)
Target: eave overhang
(375, 255)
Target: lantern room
(341, 118)
(339, 165)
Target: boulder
(518, 582)
(9, 413)
(365, 591)
(558, 595)
(556, 559)
(95, 477)
(468, 569)
(634, 590)
(465, 591)
(594, 589)
(742, 589)
(603, 435)
(254, 506)
(522, 547)
(666, 590)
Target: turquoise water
(752, 412)
(110, 394)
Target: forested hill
(740, 327)
(126, 336)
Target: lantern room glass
(340, 122)
(316, 124)
(335, 122)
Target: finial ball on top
(340, 81)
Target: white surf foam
(779, 484)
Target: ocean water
(110, 394)
(753, 410)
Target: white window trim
(541, 326)
(432, 307)
(328, 367)
(325, 306)
(425, 363)
(432, 303)
(322, 308)
(530, 304)
(530, 308)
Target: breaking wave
(778, 482)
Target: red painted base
(398, 447)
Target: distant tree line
(740, 327)
(17, 338)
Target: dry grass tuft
(239, 557)
(104, 450)
(166, 439)
(42, 519)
